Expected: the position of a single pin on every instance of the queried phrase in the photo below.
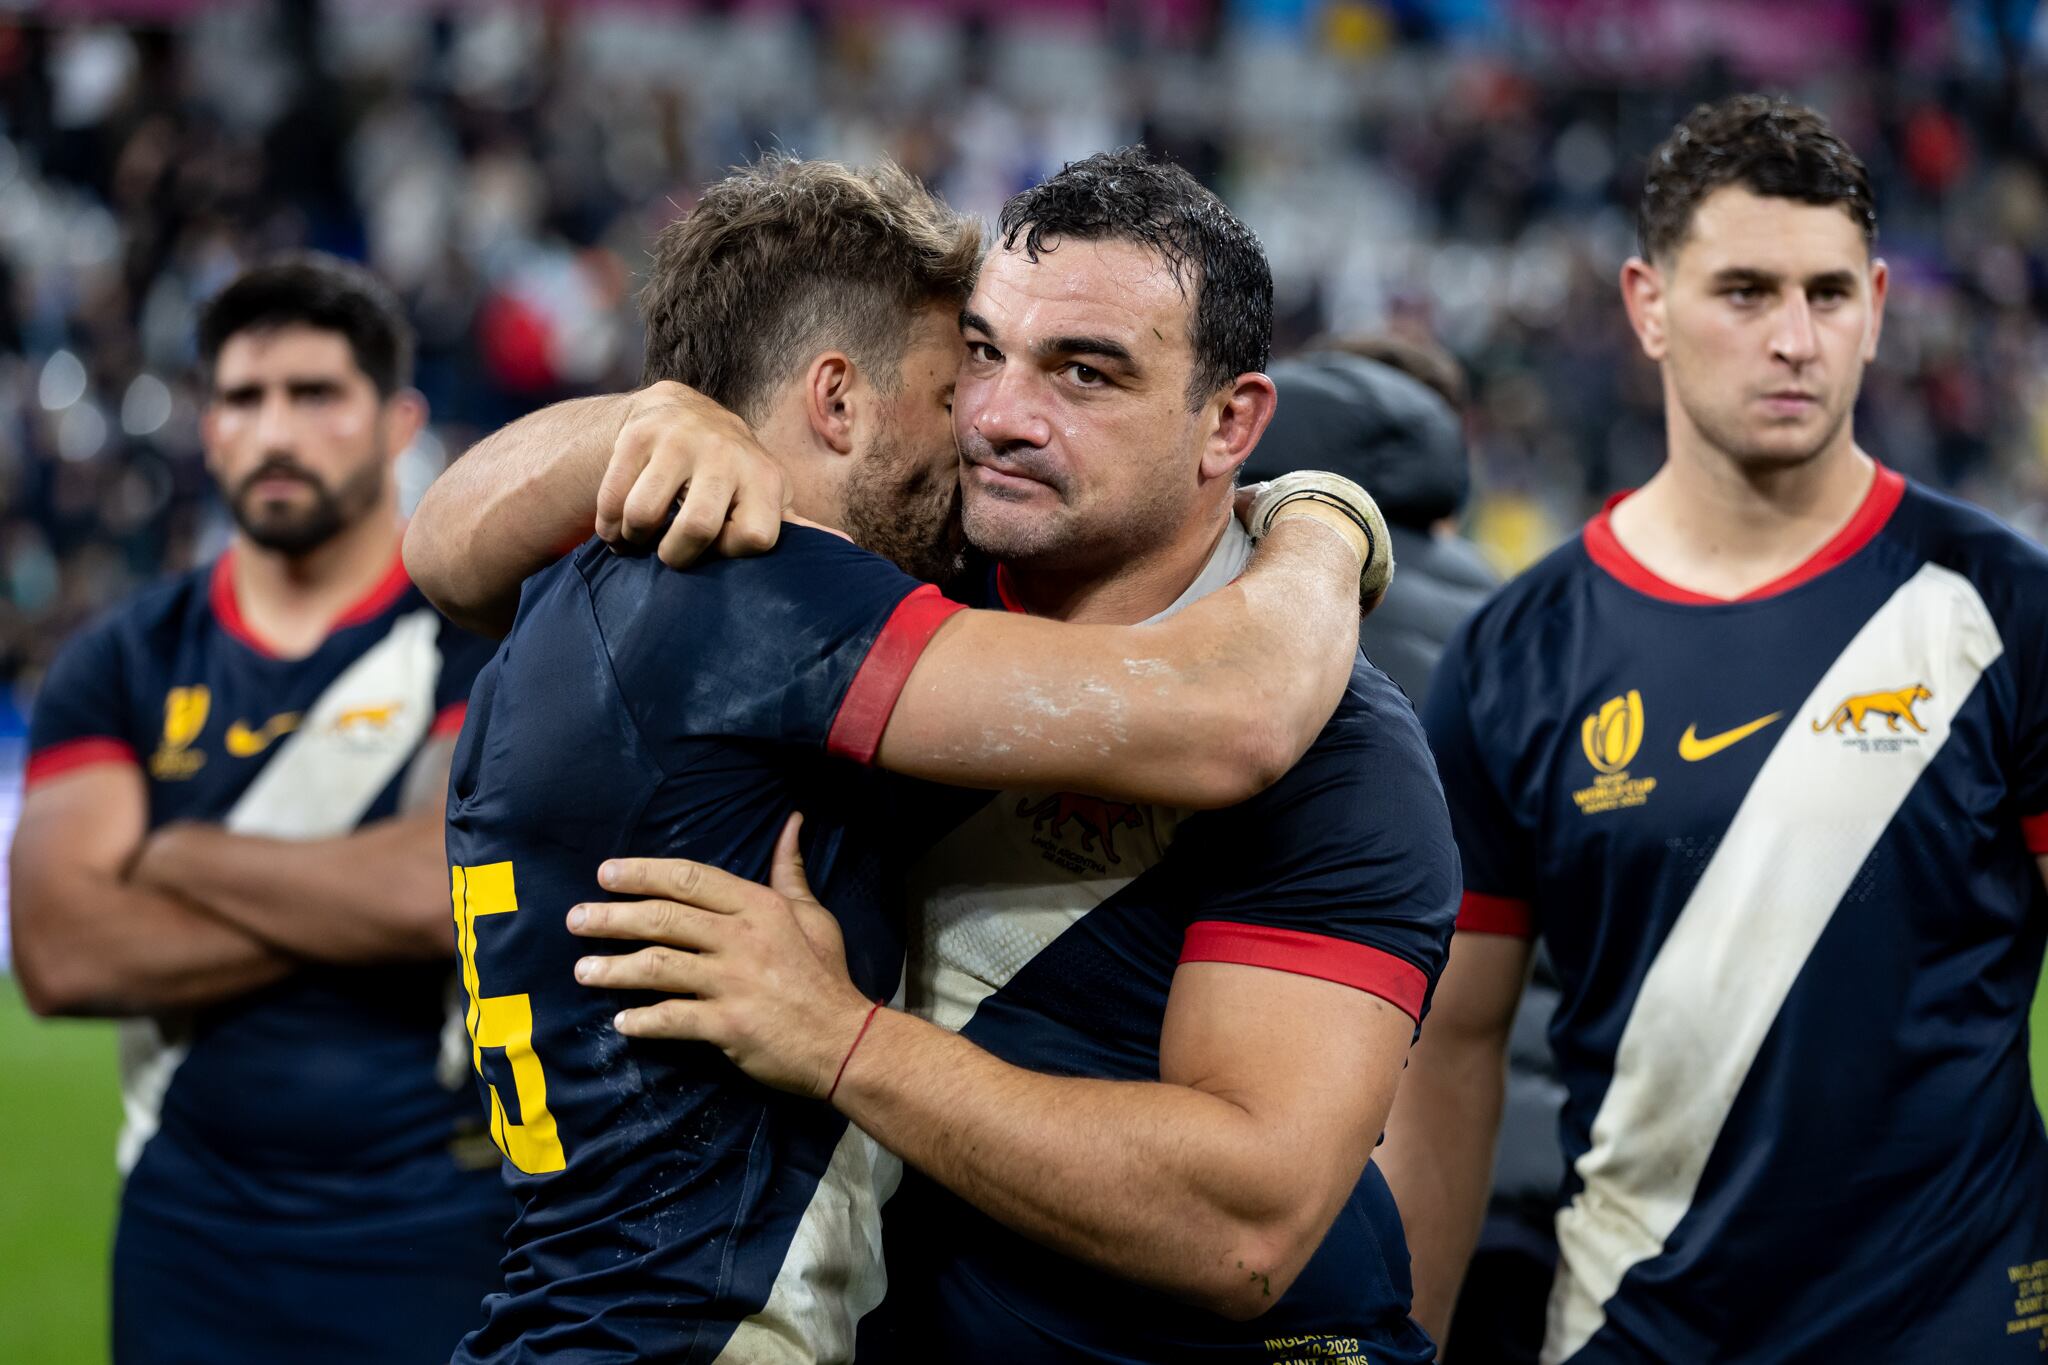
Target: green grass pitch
(59, 1111)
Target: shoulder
(806, 564)
(2009, 571)
(1524, 616)
(147, 623)
(1371, 757)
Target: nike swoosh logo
(242, 742)
(1692, 748)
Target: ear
(1245, 409)
(1880, 288)
(1642, 293)
(405, 412)
(830, 406)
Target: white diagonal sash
(318, 784)
(1722, 975)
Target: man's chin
(292, 536)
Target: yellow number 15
(504, 1021)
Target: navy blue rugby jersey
(1047, 928)
(329, 1095)
(1782, 852)
(671, 1209)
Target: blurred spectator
(1452, 170)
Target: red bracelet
(849, 1051)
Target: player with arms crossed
(1178, 1031)
(672, 1209)
(1764, 758)
(231, 840)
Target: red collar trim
(1005, 594)
(227, 608)
(1605, 549)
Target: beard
(905, 511)
(296, 530)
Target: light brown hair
(784, 258)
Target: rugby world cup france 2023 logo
(1611, 736)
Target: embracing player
(670, 1207)
(1763, 757)
(1177, 1031)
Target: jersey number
(504, 1021)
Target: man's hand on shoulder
(765, 966)
(676, 444)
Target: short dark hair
(783, 257)
(313, 289)
(1127, 196)
(1767, 145)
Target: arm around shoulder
(1204, 709)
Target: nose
(276, 428)
(1011, 409)
(1793, 338)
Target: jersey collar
(1605, 549)
(227, 608)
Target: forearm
(509, 507)
(378, 894)
(88, 944)
(1163, 1184)
(1438, 1161)
(1202, 710)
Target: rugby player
(671, 1208)
(1763, 757)
(1149, 1050)
(230, 840)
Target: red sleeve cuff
(864, 714)
(56, 759)
(1400, 983)
(2034, 829)
(448, 720)
(1479, 913)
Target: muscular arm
(1438, 1156)
(528, 491)
(1201, 710)
(377, 894)
(86, 941)
(1215, 1183)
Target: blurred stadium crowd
(1456, 169)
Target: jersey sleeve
(82, 713)
(1491, 846)
(809, 645)
(1343, 870)
(463, 656)
(2031, 777)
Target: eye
(1087, 376)
(983, 352)
(1742, 294)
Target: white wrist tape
(1333, 490)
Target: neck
(1135, 590)
(290, 601)
(1714, 526)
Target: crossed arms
(110, 919)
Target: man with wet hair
(1763, 758)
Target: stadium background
(1462, 170)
